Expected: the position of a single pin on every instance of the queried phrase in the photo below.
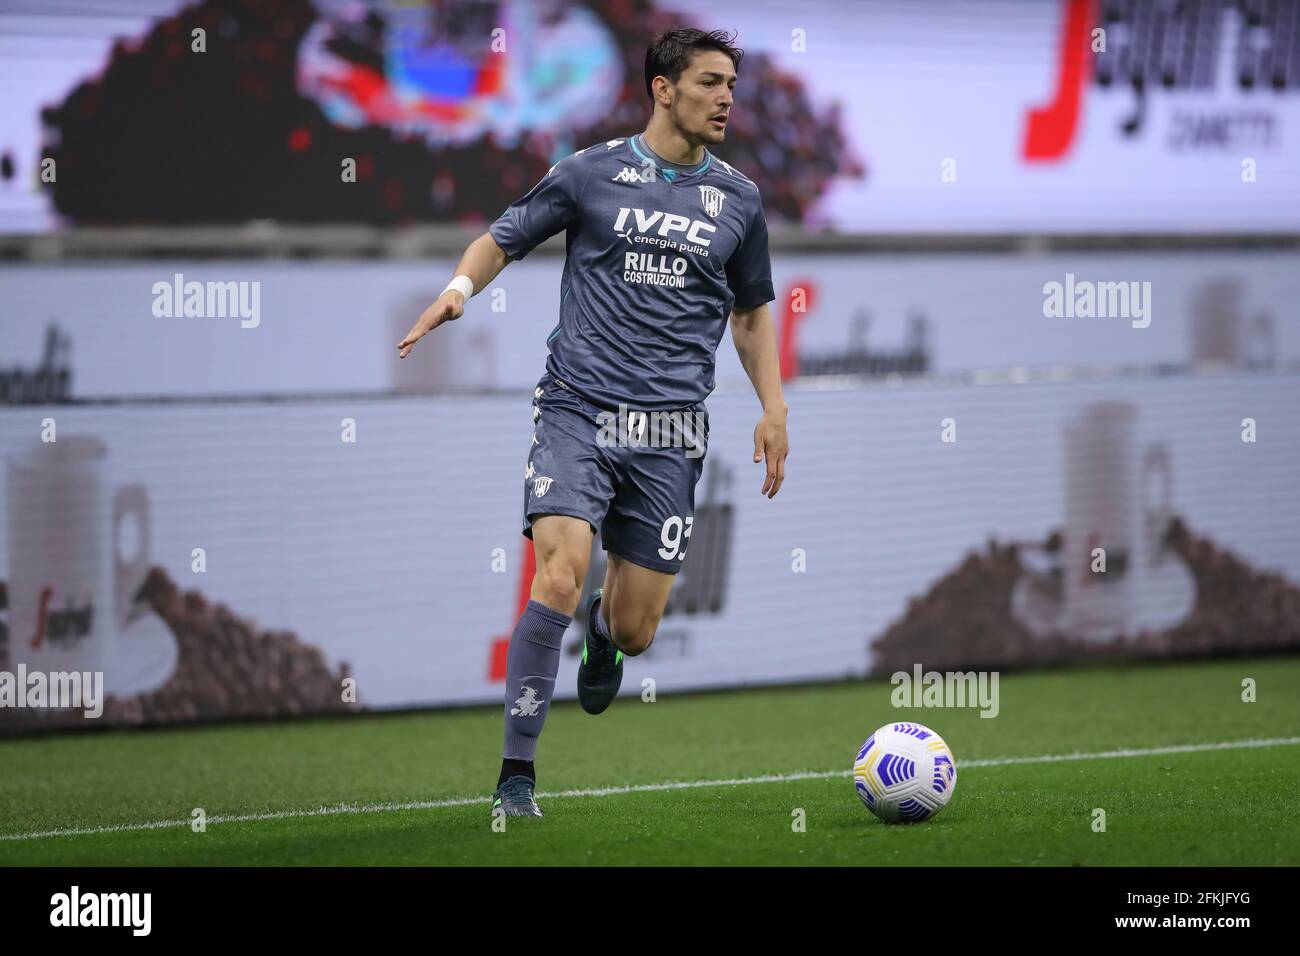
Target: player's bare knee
(635, 639)
(557, 584)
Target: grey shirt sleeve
(749, 270)
(544, 210)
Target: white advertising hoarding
(397, 558)
(334, 327)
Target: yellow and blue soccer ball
(905, 773)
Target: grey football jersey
(657, 258)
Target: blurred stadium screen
(999, 100)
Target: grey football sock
(531, 666)
(601, 631)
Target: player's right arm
(546, 209)
(481, 263)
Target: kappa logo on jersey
(541, 485)
(629, 175)
(665, 224)
(529, 472)
(712, 198)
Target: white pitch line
(641, 788)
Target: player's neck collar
(669, 170)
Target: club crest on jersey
(711, 197)
(541, 485)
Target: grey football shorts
(632, 476)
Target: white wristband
(462, 284)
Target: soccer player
(664, 242)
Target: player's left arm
(749, 276)
(754, 333)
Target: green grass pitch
(398, 788)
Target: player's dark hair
(670, 53)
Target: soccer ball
(905, 773)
